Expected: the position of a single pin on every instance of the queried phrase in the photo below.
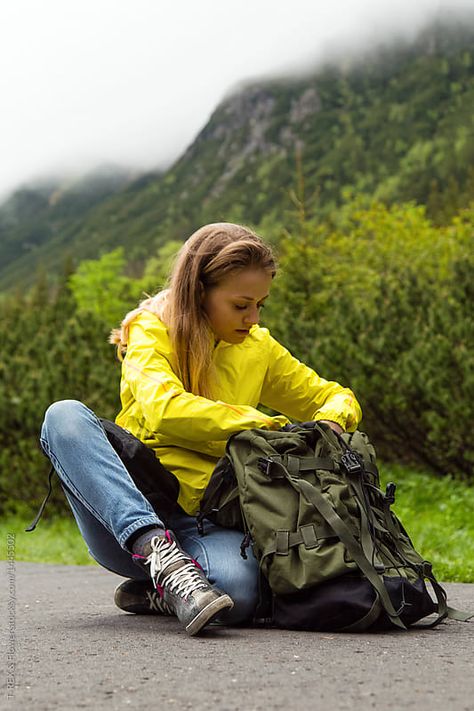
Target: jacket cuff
(347, 421)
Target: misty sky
(84, 82)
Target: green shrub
(381, 304)
(377, 298)
(49, 352)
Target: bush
(380, 304)
(50, 352)
(379, 299)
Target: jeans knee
(63, 419)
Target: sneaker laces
(183, 580)
(157, 603)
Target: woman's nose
(252, 316)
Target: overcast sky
(83, 82)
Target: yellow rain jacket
(188, 432)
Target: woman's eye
(242, 308)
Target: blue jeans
(109, 508)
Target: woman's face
(233, 306)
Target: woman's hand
(333, 425)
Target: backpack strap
(443, 609)
(366, 540)
(275, 466)
(36, 519)
(306, 534)
(459, 615)
(295, 464)
(316, 499)
(368, 619)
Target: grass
(56, 540)
(437, 513)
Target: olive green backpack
(332, 553)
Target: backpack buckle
(200, 523)
(351, 462)
(246, 541)
(265, 464)
(390, 493)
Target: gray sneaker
(141, 598)
(182, 585)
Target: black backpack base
(344, 604)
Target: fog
(89, 82)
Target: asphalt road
(72, 649)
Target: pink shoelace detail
(165, 552)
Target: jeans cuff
(136, 525)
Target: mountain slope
(51, 211)
(397, 124)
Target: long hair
(212, 253)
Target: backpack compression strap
(316, 499)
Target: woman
(196, 366)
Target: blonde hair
(211, 254)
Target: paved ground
(74, 650)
